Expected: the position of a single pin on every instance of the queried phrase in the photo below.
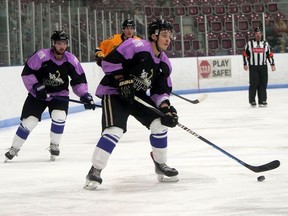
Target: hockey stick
(196, 101)
(262, 168)
(72, 100)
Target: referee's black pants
(258, 79)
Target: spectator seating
(220, 9)
(240, 40)
(190, 53)
(259, 7)
(225, 41)
(233, 8)
(195, 44)
(177, 45)
(148, 11)
(176, 27)
(200, 24)
(227, 20)
(216, 24)
(193, 10)
(166, 11)
(272, 7)
(213, 41)
(250, 35)
(187, 45)
(246, 8)
(242, 23)
(157, 11)
(179, 11)
(247, 16)
(206, 9)
(256, 20)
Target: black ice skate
(11, 153)
(253, 104)
(164, 172)
(263, 104)
(93, 179)
(54, 150)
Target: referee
(255, 57)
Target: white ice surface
(210, 182)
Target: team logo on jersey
(54, 79)
(144, 81)
(41, 54)
(138, 43)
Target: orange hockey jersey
(109, 44)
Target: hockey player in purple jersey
(132, 69)
(46, 75)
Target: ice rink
(210, 182)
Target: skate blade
(91, 185)
(163, 178)
(53, 157)
(6, 159)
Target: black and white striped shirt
(257, 53)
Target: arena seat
(206, 9)
(246, 8)
(233, 8)
(193, 10)
(225, 41)
(272, 7)
(179, 11)
(219, 9)
(259, 7)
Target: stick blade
(202, 97)
(266, 167)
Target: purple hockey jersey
(54, 74)
(136, 59)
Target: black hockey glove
(170, 119)
(88, 101)
(40, 91)
(126, 88)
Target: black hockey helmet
(128, 23)
(59, 35)
(158, 25)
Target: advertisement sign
(214, 68)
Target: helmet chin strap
(157, 47)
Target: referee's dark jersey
(257, 53)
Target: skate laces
(96, 172)
(164, 167)
(53, 147)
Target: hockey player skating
(46, 75)
(106, 46)
(131, 69)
